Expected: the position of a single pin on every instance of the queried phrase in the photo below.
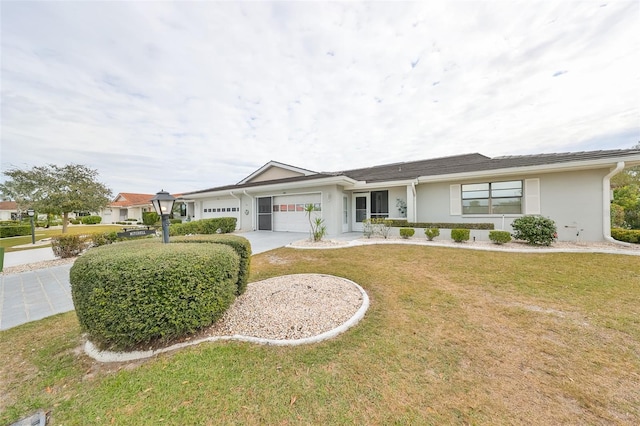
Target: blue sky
(191, 95)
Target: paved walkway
(30, 296)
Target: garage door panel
(289, 214)
(220, 208)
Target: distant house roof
(457, 164)
(129, 199)
(8, 205)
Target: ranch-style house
(571, 188)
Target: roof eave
(629, 161)
(331, 180)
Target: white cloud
(186, 96)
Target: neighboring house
(9, 210)
(572, 188)
(127, 205)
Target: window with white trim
(492, 198)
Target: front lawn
(11, 243)
(452, 337)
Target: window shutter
(455, 201)
(532, 196)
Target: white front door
(360, 210)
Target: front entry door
(360, 211)
(264, 214)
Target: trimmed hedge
(407, 232)
(403, 223)
(241, 246)
(626, 235)
(15, 231)
(204, 226)
(431, 233)
(91, 220)
(459, 235)
(500, 237)
(144, 291)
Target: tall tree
(56, 190)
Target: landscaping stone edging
(110, 356)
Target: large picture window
(492, 198)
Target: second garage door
(289, 214)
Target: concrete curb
(497, 248)
(109, 356)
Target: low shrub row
(219, 225)
(626, 235)
(500, 237)
(71, 245)
(14, 230)
(91, 220)
(407, 232)
(403, 223)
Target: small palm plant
(317, 227)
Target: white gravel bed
(290, 307)
(515, 246)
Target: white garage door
(220, 208)
(289, 214)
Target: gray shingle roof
(464, 163)
(474, 163)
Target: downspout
(253, 216)
(606, 204)
(415, 202)
(239, 226)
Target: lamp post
(163, 204)
(31, 213)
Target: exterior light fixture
(31, 214)
(163, 204)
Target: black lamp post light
(163, 204)
(32, 213)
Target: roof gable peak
(275, 170)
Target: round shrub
(150, 218)
(134, 293)
(241, 246)
(407, 232)
(91, 220)
(68, 245)
(500, 237)
(534, 230)
(431, 233)
(460, 235)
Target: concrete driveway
(33, 295)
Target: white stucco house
(9, 210)
(127, 205)
(571, 188)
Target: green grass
(10, 243)
(451, 337)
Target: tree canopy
(58, 190)
(626, 197)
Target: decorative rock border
(109, 356)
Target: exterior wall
(395, 194)
(572, 199)
(274, 173)
(331, 199)
(6, 214)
